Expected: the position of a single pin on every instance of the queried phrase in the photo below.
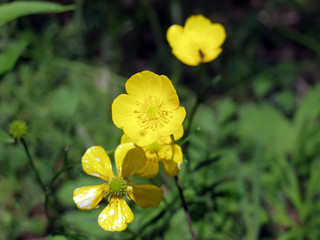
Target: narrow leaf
(13, 10)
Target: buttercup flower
(129, 159)
(149, 110)
(198, 41)
(162, 150)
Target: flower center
(152, 111)
(151, 115)
(118, 186)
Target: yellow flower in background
(198, 41)
(129, 159)
(150, 109)
(162, 150)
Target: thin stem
(31, 163)
(42, 185)
(185, 207)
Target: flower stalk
(185, 207)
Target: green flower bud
(18, 129)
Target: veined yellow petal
(151, 168)
(145, 195)
(96, 162)
(123, 108)
(89, 197)
(129, 159)
(116, 216)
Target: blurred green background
(251, 163)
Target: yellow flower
(198, 41)
(149, 110)
(162, 150)
(129, 159)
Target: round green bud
(18, 129)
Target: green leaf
(306, 117)
(10, 55)
(11, 11)
(264, 125)
(5, 138)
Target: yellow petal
(116, 216)
(126, 139)
(123, 108)
(151, 168)
(145, 195)
(139, 134)
(171, 158)
(89, 197)
(179, 133)
(174, 122)
(96, 162)
(143, 84)
(129, 159)
(169, 97)
(183, 47)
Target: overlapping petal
(88, 198)
(145, 195)
(129, 159)
(116, 216)
(123, 110)
(171, 157)
(175, 121)
(151, 168)
(96, 162)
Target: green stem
(31, 163)
(185, 207)
(42, 185)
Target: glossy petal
(116, 216)
(129, 159)
(143, 84)
(145, 195)
(96, 162)
(174, 122)
(123, 108)
(89, 197)
(179, 133)
(139, 134)
(199, 41)
(171, 158)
